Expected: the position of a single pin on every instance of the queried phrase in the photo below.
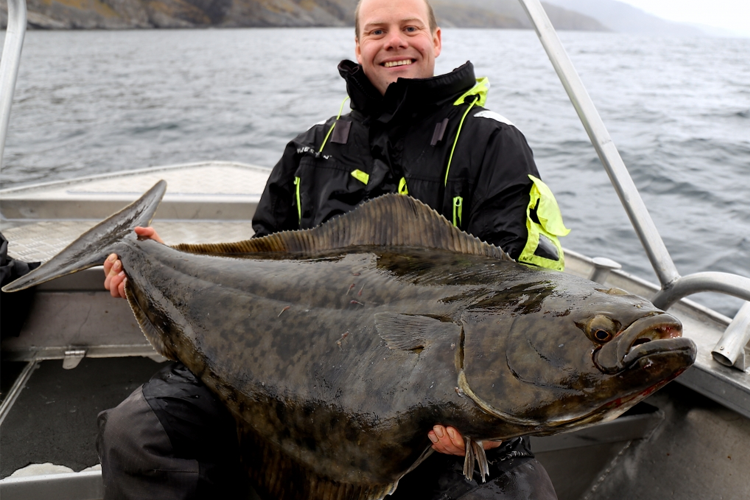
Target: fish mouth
(648, 337)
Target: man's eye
(411, 29)
(377, 32)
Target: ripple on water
(91, 102)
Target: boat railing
(730, 350)
(9, 64)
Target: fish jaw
(662, 366)
(645, 338)
(546, 369)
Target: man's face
(395, 41)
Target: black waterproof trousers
(172, 439)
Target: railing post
(602, 267)
(600, 138)
(673, 286)
(730, 351)
(9, 65)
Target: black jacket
(408, 134)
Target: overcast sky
(732, 15)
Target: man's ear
(437, 40)
(357, 50)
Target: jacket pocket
(324, 188)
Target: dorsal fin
(390, 220)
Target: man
(408, 132)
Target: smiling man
(396, 40)
(408, 132)
(427, 136)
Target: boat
(80, 352)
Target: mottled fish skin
(294, 349)
(333, 392)
(337, 349)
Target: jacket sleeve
(499, 211)
(275, 211)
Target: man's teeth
(397, 63)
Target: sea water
(91, 102)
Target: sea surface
(91, 102)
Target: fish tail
(93, 246)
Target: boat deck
(205, 202)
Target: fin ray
(276, 475)
(153, 335)
(390, 220)
(475, 452)
(408, 332)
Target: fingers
(114, 279)
(489, 445)
(108, 263)
(121, 287)
(114, 276)
(116, 282)
(447, 440)
(148, 232)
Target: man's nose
(396, 40)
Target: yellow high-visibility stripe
(458, 208)
(403, 189)
(330, 130)
(299, 205)
(362, 177)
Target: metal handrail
(600, 138)
(9, 64)
(673, 286)
(726, 283)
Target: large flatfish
(338, 348)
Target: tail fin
(93, 246)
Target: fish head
(554, 357)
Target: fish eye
(601, 328)
(602, 336)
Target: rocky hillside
(125, 14)
(625, 18)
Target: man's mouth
(393, 64)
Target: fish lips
(652, 337)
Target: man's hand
(449, 441)
(114, 276)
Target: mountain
(624, 18)
(122, 14)
(507, 14)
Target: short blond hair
(430, 15)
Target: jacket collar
(404, 95)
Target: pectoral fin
(475, 452)
(408, 332)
